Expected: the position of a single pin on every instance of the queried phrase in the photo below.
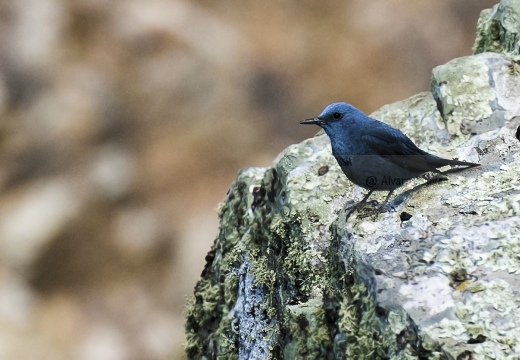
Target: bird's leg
(381, 209)
(365, 199)
(359, 204)
(386, 201)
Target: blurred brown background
(124, 122)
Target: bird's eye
(336, 116)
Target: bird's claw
(374, 211)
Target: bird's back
(376, 156)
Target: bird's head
(334, 116)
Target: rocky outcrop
(290, 277)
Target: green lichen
(209, 331)
(498, 29)
(358, 321)
(309, 334)
(514, 67)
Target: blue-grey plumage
(373, 154)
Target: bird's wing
(396, 147)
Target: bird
(375, 155)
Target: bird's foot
(373, 209)
(372, 203)
(370, 208)
(384, 207)
(369, 212)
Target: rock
(289, 277)
(498, 29)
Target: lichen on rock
(289, 276)
(498, 29)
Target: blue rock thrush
(373, 154)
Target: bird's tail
(463, 165)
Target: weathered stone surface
(290, 277)
(498, 29)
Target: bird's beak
(311, 121)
